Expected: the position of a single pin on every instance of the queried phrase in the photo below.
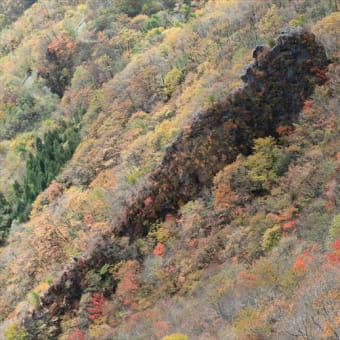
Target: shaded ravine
(276, 86)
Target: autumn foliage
(96, 305)
(159, 249)
(334, 256)
(76, 334)
(129, 282)
(174, 182)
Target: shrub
(269, 23)
(34, 298)
(159, 249)
(271, 237)
(133, 174)
(211, 99)
(96, 305)
(327, 31)
(93, 280)
(172, 79)
(14, 332)
(334, 230)
(251, 324)
(153, 22)
(267, 161)
(76, 334)
(299, 21)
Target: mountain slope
(225, 128)
(188, 190)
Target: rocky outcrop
(276, 86)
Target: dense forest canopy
(169, 169)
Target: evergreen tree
(5, 217)
(56, 148)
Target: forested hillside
(169, 169)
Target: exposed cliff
(276, 86)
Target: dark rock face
(276, 86)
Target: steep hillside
(147, 190)
(212, 140)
